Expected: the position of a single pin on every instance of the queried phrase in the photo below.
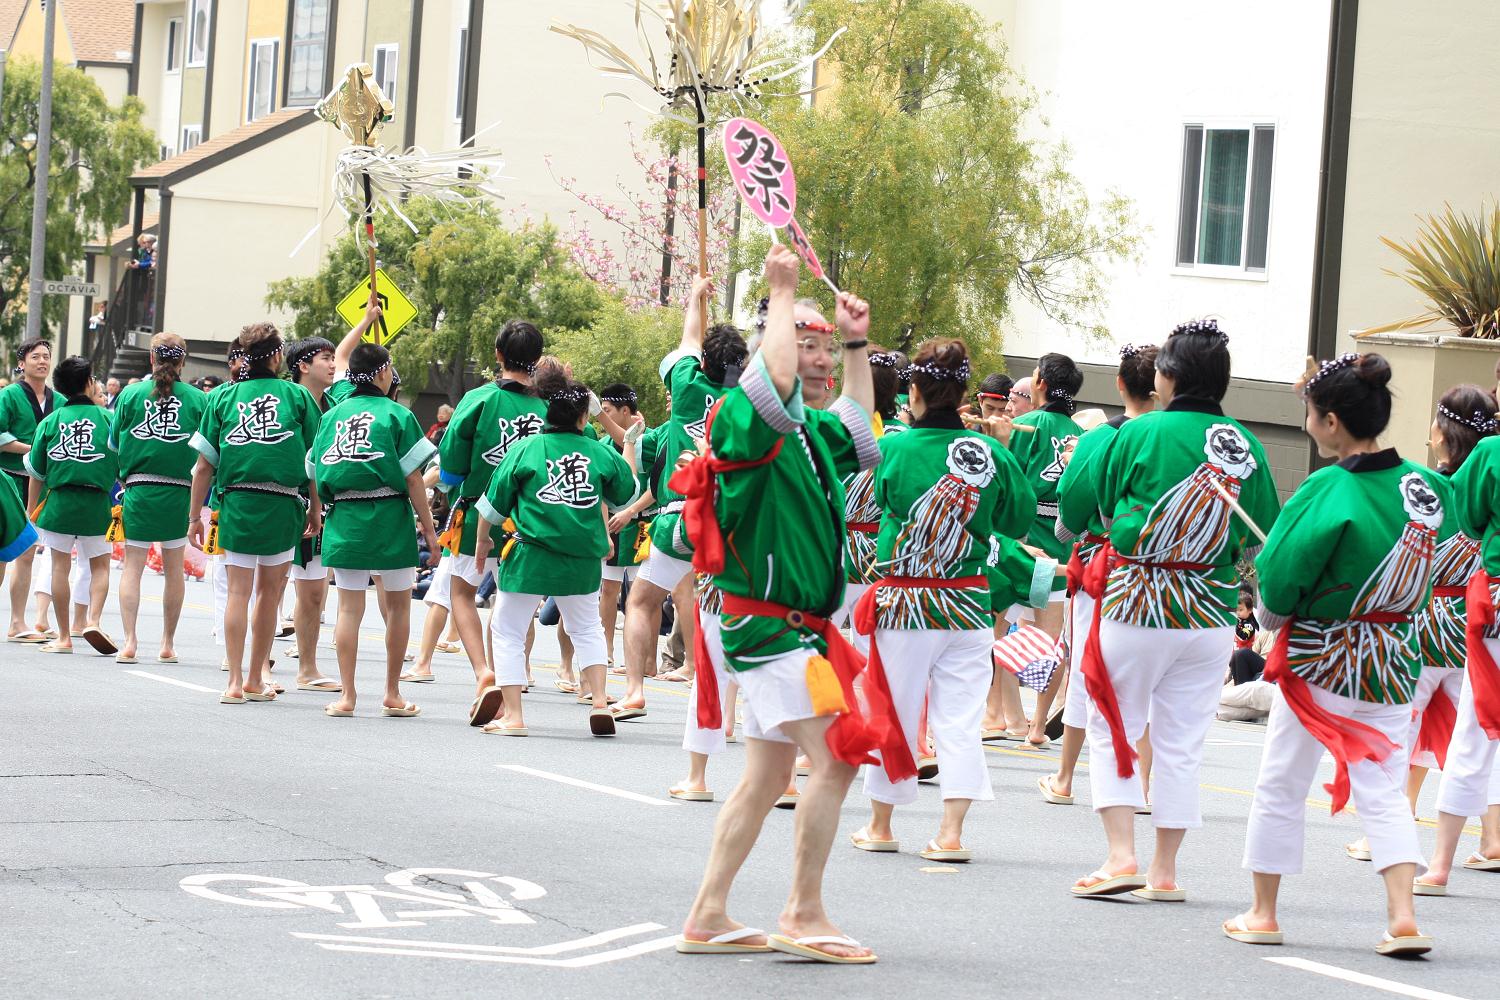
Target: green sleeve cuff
(1042, 577)
(783, 417)
(419, 455)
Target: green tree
(95, 149)
(920, 189)
(466, 273)
(625, 345)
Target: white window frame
(256, 45)
(1209, 124)
(308, 101)
(206, 7)
(392, 52)
(176, 46)
(192, 135)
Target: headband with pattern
(570, 394)
(168, 353)
(1328, 368)
(366, 378)
(1209, 326)
(886, 360)
(250, 359)
(959, 374)
(1481, 423)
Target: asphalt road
(157, 844)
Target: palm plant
(1455, 264)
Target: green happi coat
(1078, 515)
(256, 433)
(627, 543)
(365, 448)
(783, 522)
(72, 456)
(18, 422)
(1440, 625)
(16, 531)
(693, 395)
(1040, 455)
(1356, 539)
(487, 422)
(153, 437)
(552, 486)
(944, 492)
(1180, 540)
(1476, 495)
(340, 390)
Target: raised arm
(779, 347)
(692, 320)
(852, 316)
(353, 337)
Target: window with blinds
(1224, 217)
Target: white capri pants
(1471, 782)
(438, 589)
(709, 741)
(949, 670)
(1275, 837)
(662, 570)
(220, 573)
(842, 617)
(1080, 620)
(1450, 680)
(512, 620)
(1171, 678)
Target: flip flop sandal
(936, 852)
(609, 699)
(486, 706)
(1420, 888)
(228, 699)
(727, 943)
(338, 713)
(1406, 946)
(1238, 930)
(691, 795)
(861, 839)
(495, 729)
(285, 630)
(409, 658)
(1358, 853)
(101, 642)
(1109, 885)
(566, 687)
(1479, 863)
(602, 722)
(448, 647)
(805, 947)
(418, 678)
(126, 659)
(261, 695)
(1161, 895)
(325, 684)
(927, 768)
(53, 647)
(166, 659)
(628, 714)
(1044, 785)
(30, 636)
(673, 677)
(406, 711)
(1144, 810)
(787, 801)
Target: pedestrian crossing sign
(396, 309)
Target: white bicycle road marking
(1361, 979)
(580, 783)
(578, 944)
(171, 680)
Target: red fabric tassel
(1076, 568)
(1348, 740)
(1095, 671)
(1484, 676)
(705, 677)
(1436, 731)
(698, 483)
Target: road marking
(1361, 979)
(604, 937)
(580, 962)
(579, 783)
(171, 680)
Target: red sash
(855, 733)
(1484, 676)
(698, 483)
(1436, 732)
(1348, 740)
(1076, 568)
(864, 527)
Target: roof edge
(220, 156)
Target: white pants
(391, 580)
(620, 574)
(220, 574)
(80, 577)
(314, 570)
(437, 589)
(1449, 680)
(1275, 838)
(844, 615)
(949, 671)
(41, 574)
(1171, 678)
(1470, 781)
(1080, 621)
(174, 543)
(512, 619)
(664, 571)
(470, 572)
(708, 741)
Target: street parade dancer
(1178, 489)
(944, 491)
(24, 404)
(768, 517)
(1080, 522)
(1347, 565)
(366, 463)
(73, 470)
(252, 448)
(554, 487)
(487, 422)
(153, 428)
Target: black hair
(208, 382)
(1358, 393)
(941, 371)
(996, 385)
(1138, 371)
(620, 395)
(903, 371)
(27, 346)
(1062, 377)
(567, 400)
(884, 374)
(1196, 358)
(1475, 413)
(519, 345)
(72, 375)
(365, 362)
(262, 348)
(300, 351)
(723, 349)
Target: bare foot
(486, 680)
(127, 650)
(1403, 928)
(821, 928)
(1434, 876)
(1252, 921)
(342, 705)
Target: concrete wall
(1424, 130)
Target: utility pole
(43, 171)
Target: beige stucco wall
(1424, 130)
(30, 35)
(230, 40)
(437, 127)
(388, 22)
(263, 19)
(114, 81)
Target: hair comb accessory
(959, 374)
(1066, 397)
(1327, 368)
(1129, 351)
(571, 394)
(884, 361)
(1480, 423)
(1208, 326)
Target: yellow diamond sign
(396, 309)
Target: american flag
(1029, 653)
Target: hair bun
(1374, 371)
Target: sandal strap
(739, 934)
(847, 942)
